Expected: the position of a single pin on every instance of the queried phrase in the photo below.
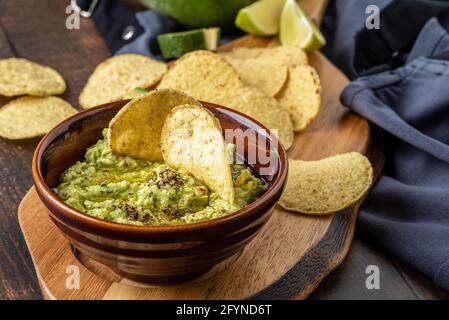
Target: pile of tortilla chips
(36, 111)
(283, 73)
(273, 85)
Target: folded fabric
(343, 19)
(408, 210)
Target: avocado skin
(200, 13)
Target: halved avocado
(200, 13)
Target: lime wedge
(298, 30)
(174, 45)
(260, 18)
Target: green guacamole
(132, 191)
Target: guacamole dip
(132, 191)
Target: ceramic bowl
(155, 254)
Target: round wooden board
(287, 259)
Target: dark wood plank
(398, 280)
(36, 32)
(421, 285)
(16, 271)
(348, 281)
(6, 47)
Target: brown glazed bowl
(155, 254)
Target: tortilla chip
(29, 117)
(265, 68)
(264, 73)
(328, 185)
(136, 129)
(261, 107)
(288, 56)
(23, 77)
(301, 96)
(192, 140)
(201, 74)
(119, 75)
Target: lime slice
(174, 45)
(298, 30)
(260, 18)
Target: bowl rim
(77, 216)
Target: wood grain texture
(289, 257)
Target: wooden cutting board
(287, 259)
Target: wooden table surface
(38, 32)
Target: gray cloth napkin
(408, 210)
